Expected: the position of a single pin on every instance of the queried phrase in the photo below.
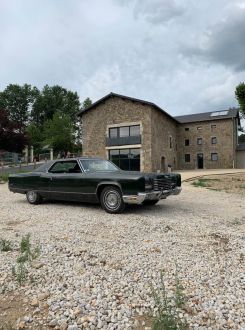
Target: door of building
(199, 161)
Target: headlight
(148, 184)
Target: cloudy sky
(184, 55)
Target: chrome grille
(162, 184)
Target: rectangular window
(213, 127)
(187, 129)
(187, 142)
(199, 141)
(124, 131)
(214, 156)
(134, 130)
(126, 159)
(170, 142)
(199, 128)
(113, 132)
(187, 158)
(214, 140)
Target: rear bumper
(153, 195)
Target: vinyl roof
(205, 116)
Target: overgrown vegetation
(168, 306)
(5, 245)
(20, 271)
(203, 182)
(4, 177)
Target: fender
(107, 183)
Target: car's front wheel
(33, 197)
(111, 200)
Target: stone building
(139, 135)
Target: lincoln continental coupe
(94, 180)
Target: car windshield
(95, 165)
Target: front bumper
(152, 195)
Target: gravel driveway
(95, 269)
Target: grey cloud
(157, 11)
(224, 43)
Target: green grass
(167, 316)
(5, 245)
(4, 177)
(203, 182)
(27, 254)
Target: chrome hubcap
(31, 196)
(112, 199)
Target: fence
(44, 156)
(10, 158)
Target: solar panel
(219, 113)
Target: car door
(67, 181)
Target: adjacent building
(139, 135)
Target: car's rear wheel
(111, 200)
(33, 197)
(151, 202)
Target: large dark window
(187, 142)
(126, 159)
(124, 131)
(187, 158)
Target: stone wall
(163, 127)
(224, 147)
(113, 111)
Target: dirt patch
(231, 183)
(12, 307)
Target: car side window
(65, 167)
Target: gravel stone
(95, 270)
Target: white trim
(128, 146)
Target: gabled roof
(206, 116)
(95, 104)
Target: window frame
(212, 138)
(117, 128)
(63, 162)
(170, 142)
(187, 144)
(189, 159)
(214, 153)
(199, 139)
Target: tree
(35, 137)
(59, 132)
(241, 138)
(240, 95)
(52, 100)
(86, 103)
(18, 100)
(11, 139)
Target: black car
(94, 180)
